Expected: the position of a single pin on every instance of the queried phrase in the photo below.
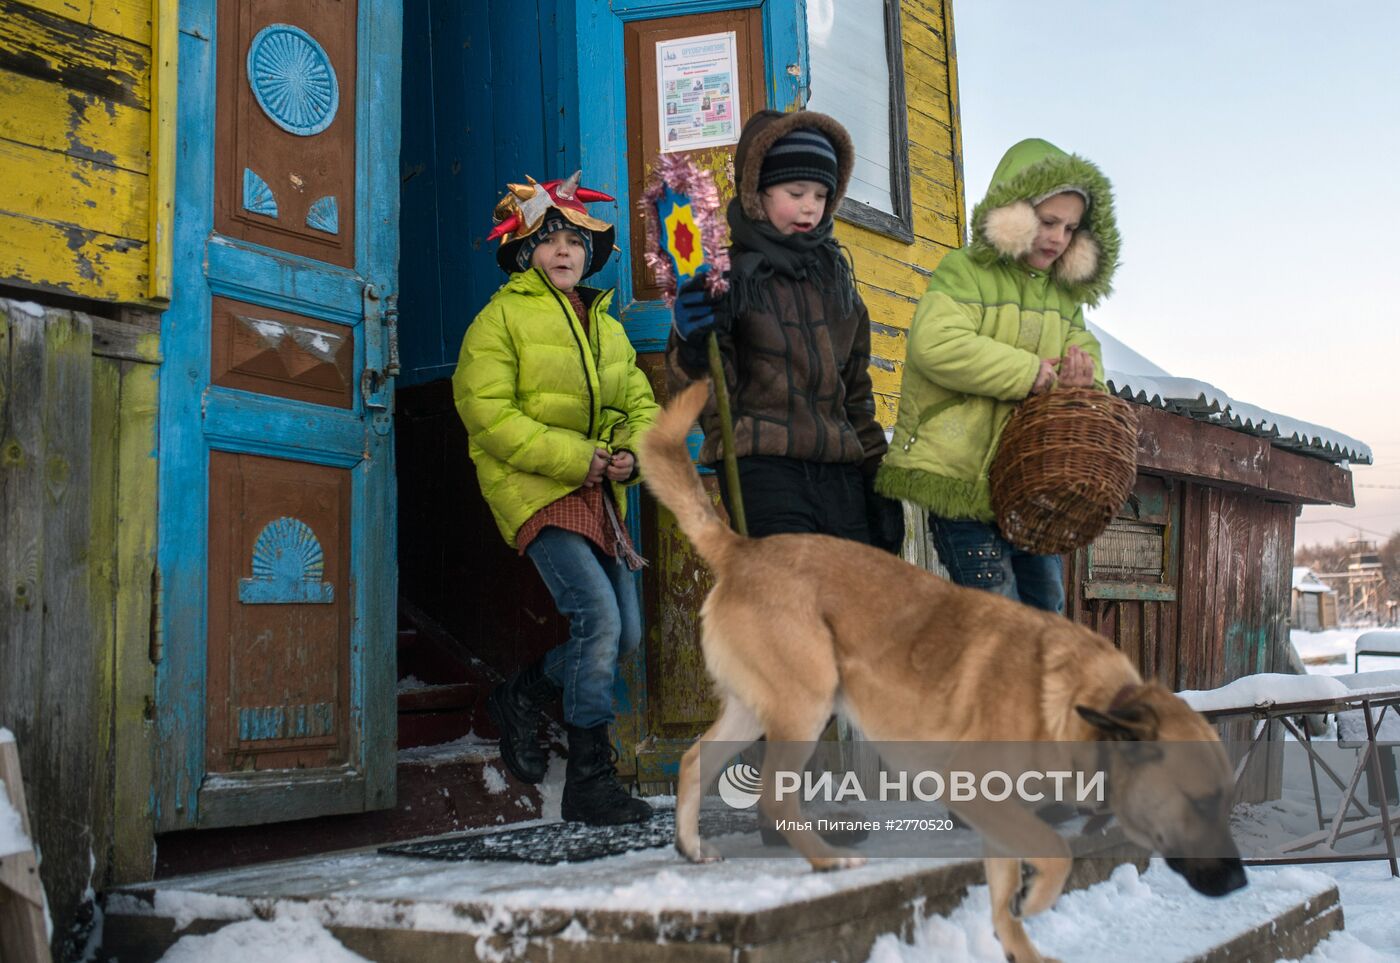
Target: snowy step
(1153, 917)
(619, 909)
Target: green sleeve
(947, 347)
(484, 389)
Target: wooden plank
(133, 674)
(125, 18)
(66, 727)
(1178, 445)
(164, 78)
(59, 188)
(45, 113)
(22, 507)
(1130, 591)
(43, 45)
(1308, 479)
(103, 587)
(71, 260)
(134, 338)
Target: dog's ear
(1130, 722)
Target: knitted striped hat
(553, 221)
(803, 154)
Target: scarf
(758, 251)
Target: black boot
(516, 708)
(592, 793)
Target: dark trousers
(785, 495)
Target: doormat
(572, 842)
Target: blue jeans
(977, 556)
(598, 595)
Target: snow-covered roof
(1306, 580)
(1134, 378)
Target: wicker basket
(1065, 465)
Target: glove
(693, 313)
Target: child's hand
(1076, 368)
(598, 468)
(1045, 379)
(620, 466)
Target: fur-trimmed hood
(1004, 224)
(763, 130)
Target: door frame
(592, 102)
(600, 94)
(192, 413)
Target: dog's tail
(672, 478)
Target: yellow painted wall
(891, 275)
(86, 146)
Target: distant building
(1314, 602)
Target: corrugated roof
(1132, 377)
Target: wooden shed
(1314, 607)
(1193, 579)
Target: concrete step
(636, 907)
(448, 788)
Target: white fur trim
(1080, 261)
(1011, 229)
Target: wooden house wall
(86, 147)
(891, 274)
(77, 496)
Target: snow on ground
(1156, 914)
(263, 941)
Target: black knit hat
(803, 154)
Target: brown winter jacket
(798, 375)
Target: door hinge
(157, 649)
(391, 335)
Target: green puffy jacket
(538, 395)
(984, 324)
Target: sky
(1253, 146)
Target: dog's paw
(700, 852)
(827, 864)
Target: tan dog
(799, 626)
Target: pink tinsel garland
(686, 177)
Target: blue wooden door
(277, 586)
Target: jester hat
(525, 208)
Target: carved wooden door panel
(275, 637)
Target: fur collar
(1004, 223)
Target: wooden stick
(23, 938)
(726, 434)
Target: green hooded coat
(984, 324)
(538, 395)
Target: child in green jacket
(548, 387)
(1002, 319)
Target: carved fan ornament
(287, 566)
(292, 79)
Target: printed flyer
(698, 92)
